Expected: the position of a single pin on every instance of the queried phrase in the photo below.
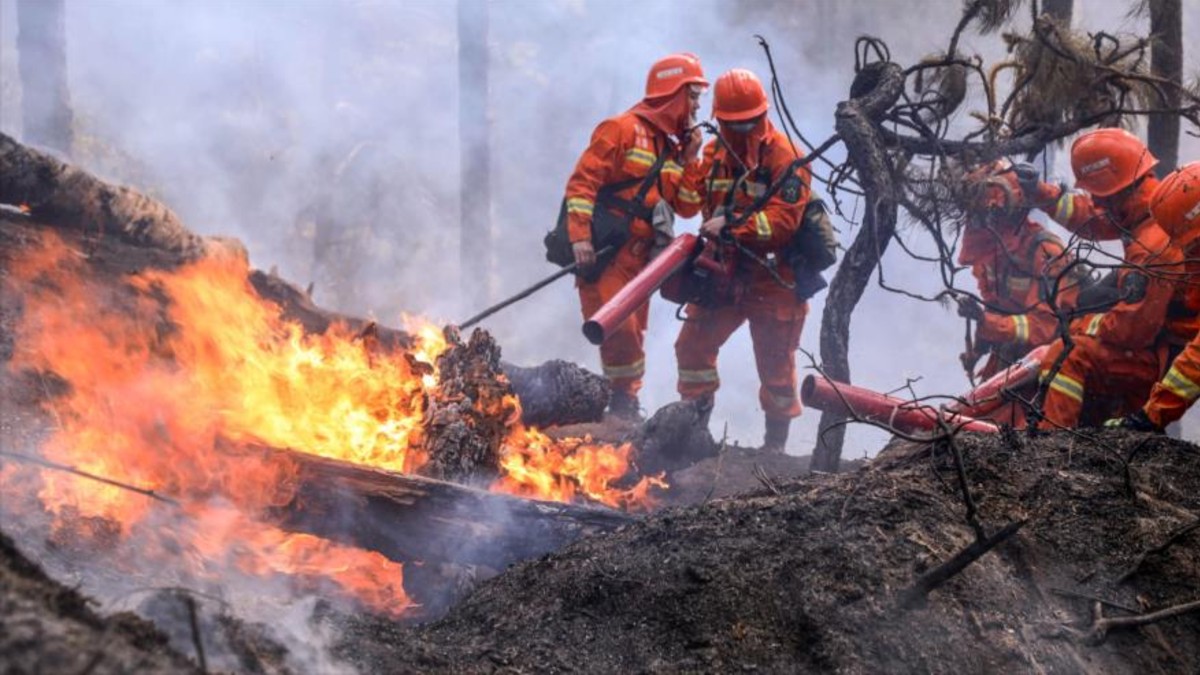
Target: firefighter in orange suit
(609, 175)
(1117, 354)
(1176, 206)
(1018, 264)
(736, 170)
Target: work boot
(777, 433)
(704, 408)
(625, 406)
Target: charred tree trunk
(42, 54)
(1062, 10)
(1166, 61)
(856, 124)
(558, 392)
(72, 198)
(475, 227)
(410, 518)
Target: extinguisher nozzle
(594, 332)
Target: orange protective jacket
(622, 148)
(1010, 267)
(1151, 261)
(706, 188)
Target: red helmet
(738, 96)
(669, 74)
(1106, 161)
(1176, 203)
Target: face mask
(741, 127)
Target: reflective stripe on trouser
(775, 334)
(1096, 381)
(622, 357)
(1178, 389)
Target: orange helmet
(1176, 203)
(1106, 161)
(669, 74)
(738, 96)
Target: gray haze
(240, 113)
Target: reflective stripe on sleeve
(1065, 208)
(1180, 385)
(1021, 327)
(640, 156)
(580, 205)
(1068, 386)
(762, 226)
(672, 168)
(689, 196)
(1093, 326)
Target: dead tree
(881, 85)
(42, 52)
(1166, 62)
(475, 227)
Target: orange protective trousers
(776, 320)
(621, 355)
(1113, 382)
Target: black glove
(1029, 179)
(1135, 421)
(969, 308)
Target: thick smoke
(324, 134)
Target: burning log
(409, 518)
(558, 392)
(70, 197)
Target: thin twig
(720, 460)
(72, 470)
(1101, 625)
(1175, 536)
(947, 570)
(197, 640)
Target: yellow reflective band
(636, 369)
(1093, 326)
(672, 168)
(1181, 386)
(1021, 326)
(1065, 208)
(762, 225)
(639, 156)
(580, 205)
(1067, 386)
(698, 376)
(689, 196)
(781, 400)
(720, 184)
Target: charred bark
(468, 418)
(72, 198)
(867, 152)
(411, 518)
(46, 114)
(558, 392)
(675, 437)
(1166, 61)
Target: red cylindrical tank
(825, 394)
(640, 288)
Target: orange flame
(164, 372)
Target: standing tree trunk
(865, 149)
(1166, 61)
(1062, 10)
(42, 55)
(475, 186)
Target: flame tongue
(166, 373)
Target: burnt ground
(795, 574)
(806, 578)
